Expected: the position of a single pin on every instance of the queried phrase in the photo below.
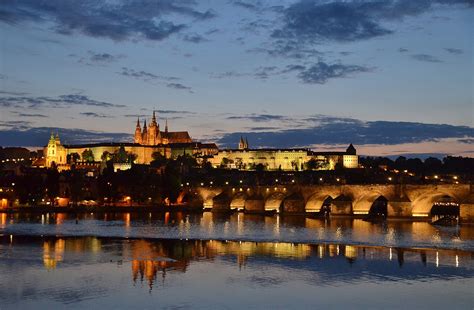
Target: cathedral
(151, 134)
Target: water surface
(238, 261)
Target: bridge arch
(274, 201)
(379, 207)
(423, 205)
(238, 201)
(364, 204)
(317, 201)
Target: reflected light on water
(99, 269)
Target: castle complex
(171, 144)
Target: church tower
(55, 152)
(144, 133)
(241, 143)
(153, 131)
(138, 133)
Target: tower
(144, 133)
(138, 133)
(241, 143)
(55, 152)
(351, 150)
(152, 131)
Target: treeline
(431, 165)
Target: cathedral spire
(138, 122)
(166, 125)
(153, 119)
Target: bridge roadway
(402, 200)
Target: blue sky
(222, 68)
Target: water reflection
(239, 226)
(95, 268)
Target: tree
(226, 162)
(120, 156)
(433, 165)
(73, 158)
(106, 156)
(158, 159)
(314, 164)
(88, 156)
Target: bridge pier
(400, 208)
(254, 204)
(294, 204)
(221, 203)
(342, 205)
(466, 212)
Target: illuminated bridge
(421, 201)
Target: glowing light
(390, 178)
(435, 176)
(457, 261)
(390, 254)
(437, 259)
(420, 214)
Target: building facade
(147, 141)
(171, 144)
(245, 158)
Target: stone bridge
(402, 200)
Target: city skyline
(385, 76)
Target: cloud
(118, 20)
(145, 76)
(13, 93)
(334, 130)
(263, 128)
(426, 58)
(402, 50)
(174, 112)
(94, 58)
(246, 5)
(179, 86)
(29, 114)
(321, 72)
(93, 114)
(306, 23)
(456, 51)
(257, 117)
(13, 125)
(159, 112)
(38, 136)
(194, 38)
(318, 73)
(62, 101)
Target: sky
(392, 77)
